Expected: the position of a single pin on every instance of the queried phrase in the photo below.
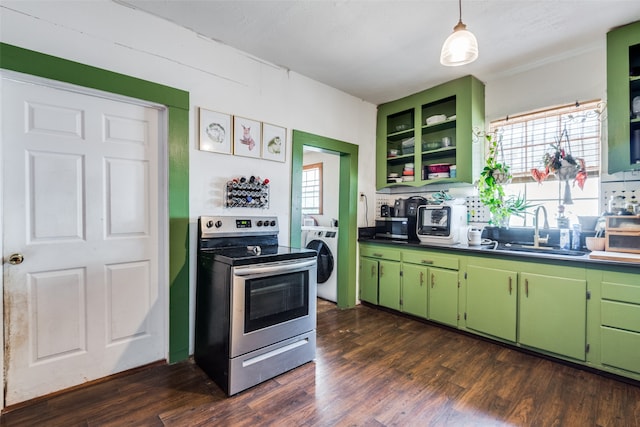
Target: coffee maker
(411, 212)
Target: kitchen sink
(549, 250)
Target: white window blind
(312, 189)
(526, 138)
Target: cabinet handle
(421, 278)
(378, 255)
(433, 280)
(526, 287)
(381, 270)
(427, 261)
(373, 270)
(510, 285)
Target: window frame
(523, 181)
(308, 167)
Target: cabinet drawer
(380, 252)
(620, 349)
(619, 287)
(620, 315)
(430, 259)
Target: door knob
(15, 259)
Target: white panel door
(80, 192)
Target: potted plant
(491, 192)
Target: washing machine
(324, 240)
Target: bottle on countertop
(575, 237)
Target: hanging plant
(560, 162)
(494, 175)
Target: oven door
(271, 302)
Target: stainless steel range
(255, 302)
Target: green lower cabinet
(369, 280)
(553, 314)
(620, 349)
(414, 290)
(389, 284)
(620, 320)
(492, 301)
(443, 296)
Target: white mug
(474, 236)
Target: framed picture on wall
(274, 142)
(215, 131)
(247, 137)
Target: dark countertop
(502, 253)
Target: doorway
(347, 205)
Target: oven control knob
(259, 223)
(273, 223)
(218, 224)
(209, 224)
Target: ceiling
(381, 50)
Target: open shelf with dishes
(400, 146)
(427, 137)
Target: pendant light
(461, 47)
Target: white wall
(219, 78)
(576, 76)
(104, 34)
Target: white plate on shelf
(438, 118)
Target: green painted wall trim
(38, 64)
(347, 206)
(31, 62)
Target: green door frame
(347, 206)
(177, 102)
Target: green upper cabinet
(432, 127)
(623, 92)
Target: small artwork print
(247, 137)
(215, 132)
(274, 142)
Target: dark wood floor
(373, 368)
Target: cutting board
(615, 256)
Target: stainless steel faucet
(536, 234)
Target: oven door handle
(273, 268)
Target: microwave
(441, 223)
(392, 228)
